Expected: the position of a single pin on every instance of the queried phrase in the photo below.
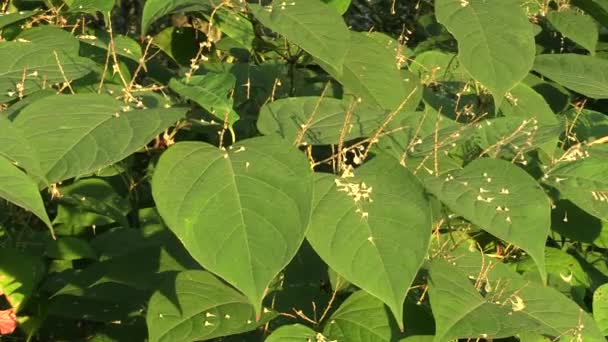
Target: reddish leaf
(8, 322)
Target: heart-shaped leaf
(241, 213)
(373, 229)
(198, 306)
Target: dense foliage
(304, 170)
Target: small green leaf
(292, 333)
(91, 202)
(125, 46)
(371, 72)
(70, 248)
(579, 28)
(583, 182)
(583, 74)
(311, 24)
(495, 40)
(90, 131)
(93, 6)
(287, 116)
(198, 306)
(502, 199)
(600, 308)
(156, 9)
(11, 18)
(373, 229)
(361, 318)
(19, 275)
(236, 26)
(524, 102)
(211, 91)
(241, 213)
(18, 188)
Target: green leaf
(11, 18)
(91, 202)
(241, 213)
(51, 37)
(376, 244)
(292, 333)
(495, 41)
(584, 183)
(371, 72)
(125, 46)
(90, 131)
(156, 9)
(70, 248)
(600, 308)
(484, 299)
(40, 65)
(19, 275)
(93, 6)
(595, 8)
(579, 28)
(502, 199)
(524, 102)
(16, 187)
(286, 117)
(339, 5)
(360, 318)
(512, 137)
(210, 91)
(564, 273)
(198, 306)
(236, 26)
(312, 25)
(14, 147)
(583, 74)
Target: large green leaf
(473, 297)
(579, 28)
(361, 318)
(39, 63)
(502, 199)
(495, 40)
(156, 9)
(286, 117)
(311, 24)
(18, 188)
(79, 134)
(198, 306)
(583, 74)
(292, 333)
(211, 92)
(583, 182)
(19, 275)
(375, 239)
(241, 213)
(600, 308)
(370, 72)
